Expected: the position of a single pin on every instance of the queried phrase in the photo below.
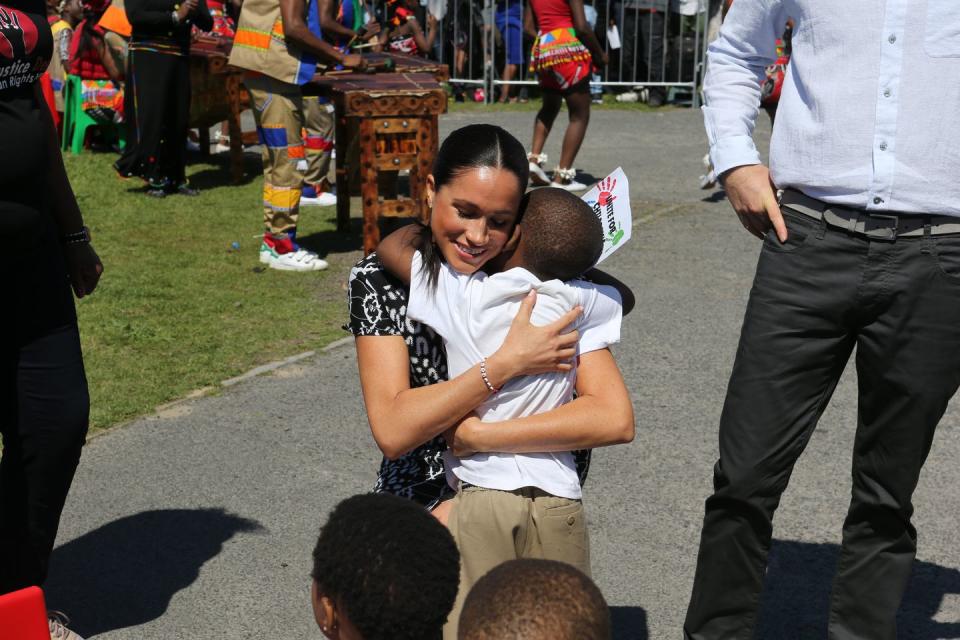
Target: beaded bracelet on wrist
(486, 379)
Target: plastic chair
(76, 121)
(23, 615)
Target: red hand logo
(18, 34)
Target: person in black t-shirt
(43, 389)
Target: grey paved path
(199, 522)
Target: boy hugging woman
(514, 505)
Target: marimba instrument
(392, 115)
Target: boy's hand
(396, 251)
(458, 436)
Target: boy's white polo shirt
(473, 314)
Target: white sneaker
(323, 199)
(538, 177)
(299, 260)
(628, 96)
(708, 180)
(57, 623)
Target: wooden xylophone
(387, 121)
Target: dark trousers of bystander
(642, 55)
(815, 298)
(157, 99)
(44, 406)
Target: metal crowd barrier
(659, 45)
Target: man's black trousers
(815, 298)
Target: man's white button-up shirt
(869, 114)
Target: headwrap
(400, 14)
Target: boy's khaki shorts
(492, 526)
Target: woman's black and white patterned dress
(378, 307)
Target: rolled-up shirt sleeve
(736, 64)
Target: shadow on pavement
(629, 623)
(796, 598)
(717, 196)
(126, 572)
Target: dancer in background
(565, 51)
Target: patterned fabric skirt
(559, 59)
(102, 101)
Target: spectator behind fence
(383, 569)
(563, 55)
(642, 31)
(535, 600)
(509, 21)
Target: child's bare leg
(578, 106)
(545, 118)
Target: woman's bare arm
(601, 415)
(83, 264)
(402, 418)
(109, 63)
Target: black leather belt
(877, 226)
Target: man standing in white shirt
(862, 250)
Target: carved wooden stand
(394, 118)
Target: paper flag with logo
(610, 200)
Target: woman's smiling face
(474, 215)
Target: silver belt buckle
(879, 226)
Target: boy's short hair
(535, 600)
(391, 566)
(561, 235)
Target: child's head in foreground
(560, 235)
(535, 600)
(383, 569)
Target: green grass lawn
(177, 308)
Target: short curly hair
(391, 566)
(561, 235)
(532, 599)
